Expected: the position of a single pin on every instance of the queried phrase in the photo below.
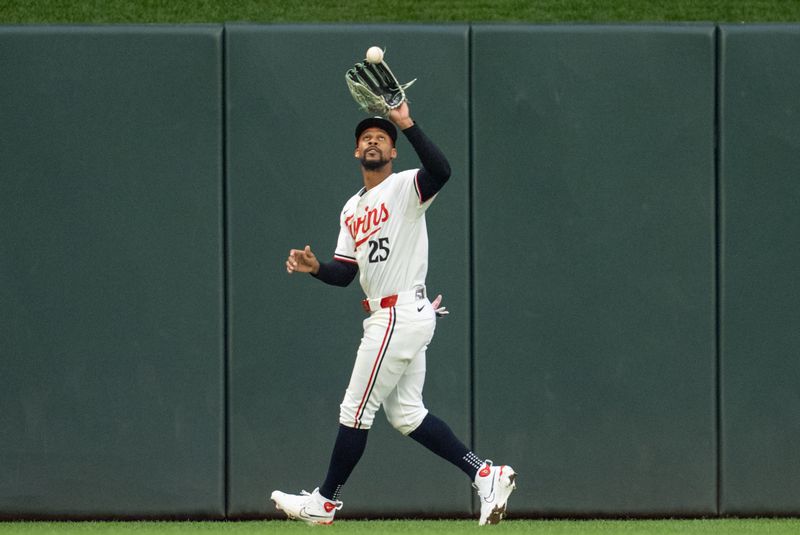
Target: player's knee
(408, 420)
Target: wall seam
(225, 272)
(471, 246)
(717, 264)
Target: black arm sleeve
(336, 272)
(435, 167)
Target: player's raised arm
(435, 169)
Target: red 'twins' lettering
(368, 221)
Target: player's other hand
(438, 308)
(302, 261)
(401, 116)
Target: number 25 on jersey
(378, 250)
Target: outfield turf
(422, 527)
(120, 11)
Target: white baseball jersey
(383, 230)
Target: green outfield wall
(759, 283)
(111, 390)
(607, 338)
(617, 246)
(292, 339)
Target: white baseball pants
(390, 368)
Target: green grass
(421, 527)
(176, 11)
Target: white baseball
(374, 54)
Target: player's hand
(401, 116)
(440, 310)
(302, 261)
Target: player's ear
(394, 153)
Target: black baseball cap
(377, 122)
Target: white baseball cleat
(308, 507)
(494, 485)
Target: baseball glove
(375, 88)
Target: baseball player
(383, 239)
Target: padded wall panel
(111, 390)
(293, 339)
(594, 265)
(760, 317)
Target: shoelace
(486, 492)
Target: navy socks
(432, 433)
(347, 450)
(437, 436)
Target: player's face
(375, 148)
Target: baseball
(374, 54)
